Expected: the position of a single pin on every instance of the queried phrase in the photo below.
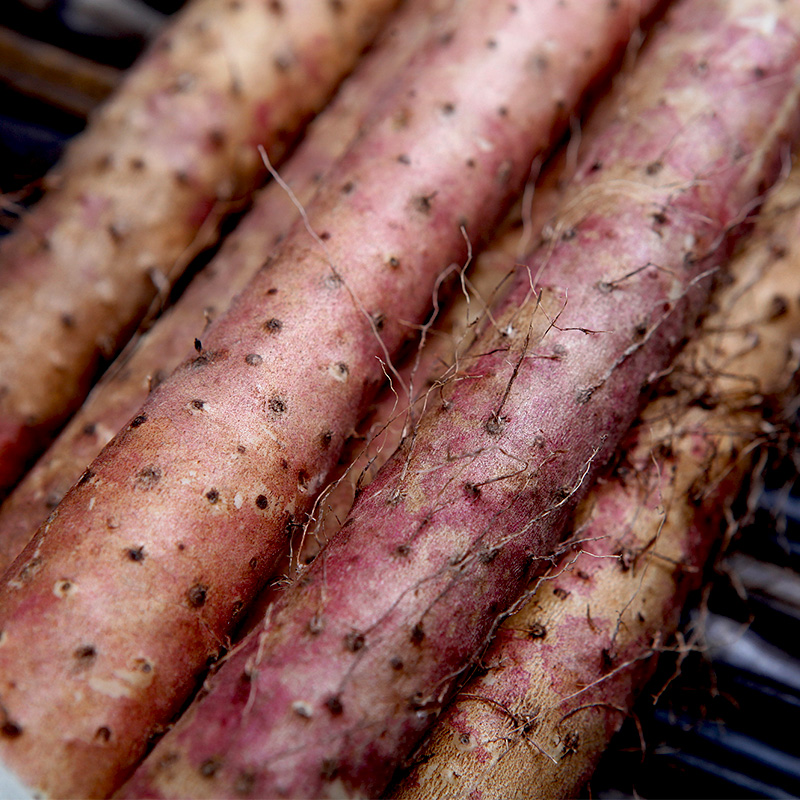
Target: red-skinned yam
(445, 538)
(152, 357)
(217, 473)
(562, 673)
(145, 186)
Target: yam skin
(145, 186)
(562, 673)
(356, 659)
(154, 355)
(181, 519)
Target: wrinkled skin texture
(357, 657)
(183, 516)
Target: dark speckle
(148, 477)
(103, 734)
(273, 325)
(210, 767)
(11, 729)
(277, 405)
(138, 420)
(423, 203)
(197, 595)
(354, 641)
(85, 655)
(135, 554)
(85, 477)
(262, 502)
(334, 705)
(212, 495)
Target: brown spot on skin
(654, 167)
(85, 656)
(396, 663)
(277, 405)
(210, 767)
(198, 405)
(561, 594)
(147, 478)
(394, 262)
(275, 6)
(212, 495)
(334, 705)
(417, 634)
(448, 109)
(778, 306)
(197, 595)
(423, 203)
(348, 187)
(262, 502)
(198, 345)
(103, 734)
(137, 164)
(136, 554)
(68, 321)
(404, 159)
(253, 359)
(354, 641)
(273, 325)
(337, 6)
(90, 429)
(11, 729)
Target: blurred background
(720, 719)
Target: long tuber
(355, 660)
(562, 673)
(117, 606)
(145, 186)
